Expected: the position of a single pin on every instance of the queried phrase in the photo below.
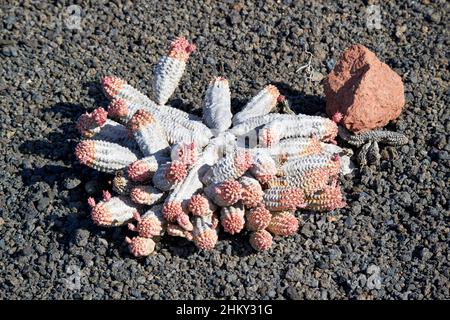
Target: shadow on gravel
(48, 179)
(59, 145)
(300, 102)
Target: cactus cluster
(186, 176)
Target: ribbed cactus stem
(224, 193)
(261, 104)
(300, 126)
(115, 211)
(217, 105)
(283, 224)
(252, 193)
(261, 240)
(251, 125)
(148, 134)
(146, 194)
(309, 181)
(295, 148)
(258, 218)
(185, 190)
(170, 69)
(328, 199)
(140, 247)
(104, 156)
(143, 170)
(90, 123)
(284, 198)
(175, 230)
(264, 166)
(169, 175)
(200, 205)
(186, 152)
(150, 224)
(300, 166)
(232, 166)
(232, 218)
(205, 233)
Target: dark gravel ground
(390, 242)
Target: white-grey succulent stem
(300, 126)
(253, 123)
(150, 195)
(236, 208)
(217, 105)
(263, 163)
(119, 210)
(168, 73)
(115, 132)
(275, 200)
(105, 156)
(302, 165)
(212, 153)
(202, 224)
(292, 147)
(152, 140)
(224, 169)
(261, 104)
(160, 179)
(155, 211)
(179, 126)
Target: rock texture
(366, 91)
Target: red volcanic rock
(366, 91)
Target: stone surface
(366, 91)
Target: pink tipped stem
(91, 202)
(106, 195)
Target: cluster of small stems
(178, 176)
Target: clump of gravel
(390, 242)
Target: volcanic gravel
(391, 241)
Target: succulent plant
(174, 172)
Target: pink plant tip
(139, 171)
(184, 222)
(233, 222)
(118, 108)
(258, 218)
(89, 121)
(140, 247)
(91, 202)
(106, 195)
(176, 172)
(85, 152)
(199, 205)
(172, 210)
(230, 191)
(112, 85)
(337, 117)
(261, 240)
(180, 49)
(206, 240)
